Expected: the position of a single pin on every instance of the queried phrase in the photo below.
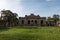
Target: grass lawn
(41, 33)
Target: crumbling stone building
(35, 20)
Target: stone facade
(58, 23)
(35, 20)
(31, 20)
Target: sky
(43, 8)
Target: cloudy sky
(26, 7)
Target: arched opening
(35, 21)
(28, 21)
(31, 20)
(22, 22)
(41, 22)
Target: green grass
(41, 33)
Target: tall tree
(9, 16)
(56, 18)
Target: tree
(56, 18)
(9, 17)
(49, 18)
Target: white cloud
(48, 0)
(13, 5)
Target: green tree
(56, 18)
(49, 18)
(9, 17)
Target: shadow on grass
(19, 37)
(26, 36)
(4, 28)
(27, 27)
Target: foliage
(41, 33)
(9, 17)
(56, 17)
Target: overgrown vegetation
(41, 33)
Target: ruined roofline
(32, 16)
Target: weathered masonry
(34, 20)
